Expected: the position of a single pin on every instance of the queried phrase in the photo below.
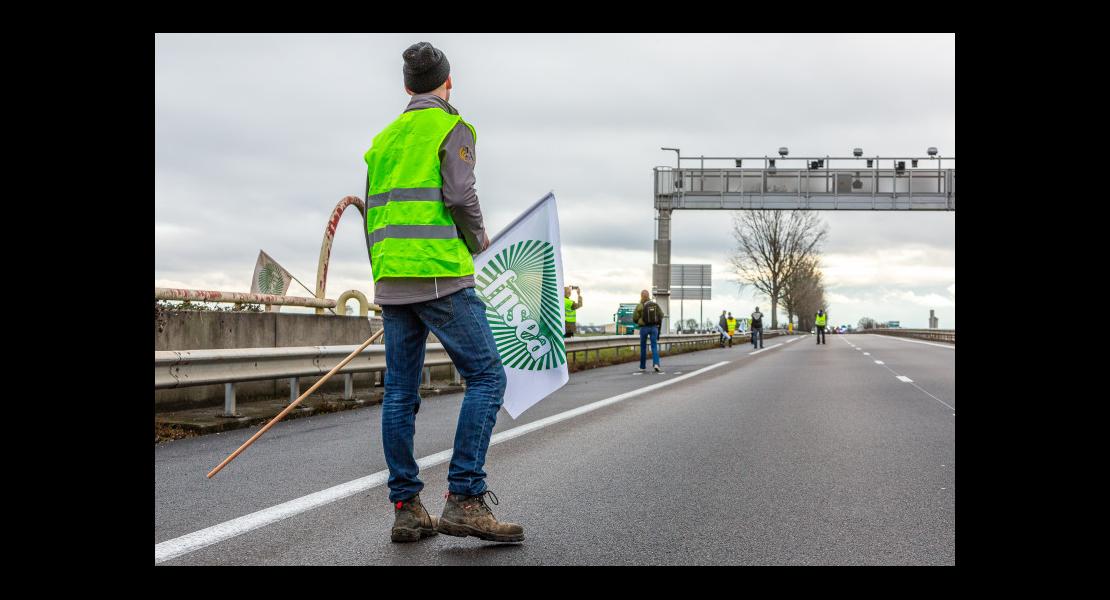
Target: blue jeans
(646, 332)
(459, 322)
(757, 333)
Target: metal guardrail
(186, 368)
(940, 335)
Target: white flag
(520, 278)
(270, 277)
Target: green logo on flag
(270, 281)
(523, 305)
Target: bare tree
(793, 288)
(867, 323)
(770, 245)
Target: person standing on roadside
(649, 316)
(820, 320)
(757, 328)
(570, 309)
(423, 223)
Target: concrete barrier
(937, 335)
(211, 330)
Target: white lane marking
(792, 340)
(192, 542)
(910, 381)
(935, 398)
(764, 349)
(879, 362)
(890, 337)
(867, 354)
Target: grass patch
(577, 361)
(165, 433)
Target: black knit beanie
(426, 68)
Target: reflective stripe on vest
(409, 229)
(568, 306)
(821, 320)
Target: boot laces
(480, 499)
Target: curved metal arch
(363, 303)
(325, 247)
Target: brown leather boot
(411, 521)
(469, 515)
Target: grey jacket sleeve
(457, 157)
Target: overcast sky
(258, 137)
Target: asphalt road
(800, 454)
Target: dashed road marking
(890, 337)
(904, 378)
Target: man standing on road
(649, 316)
(723, 324)
(820, 321)
(423, 222)
(570, 307)
(757, 328)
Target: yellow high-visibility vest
(409, 229)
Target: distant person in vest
(423, 223)
(731, 328)
(649, 316)
(757, 329)
(820, 321)
(570, 307)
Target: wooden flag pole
(294, 404)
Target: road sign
(691, 282)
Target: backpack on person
(653, 315)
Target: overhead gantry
(809, 183)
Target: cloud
(927, 300)
(258, 136)
(903, 264)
